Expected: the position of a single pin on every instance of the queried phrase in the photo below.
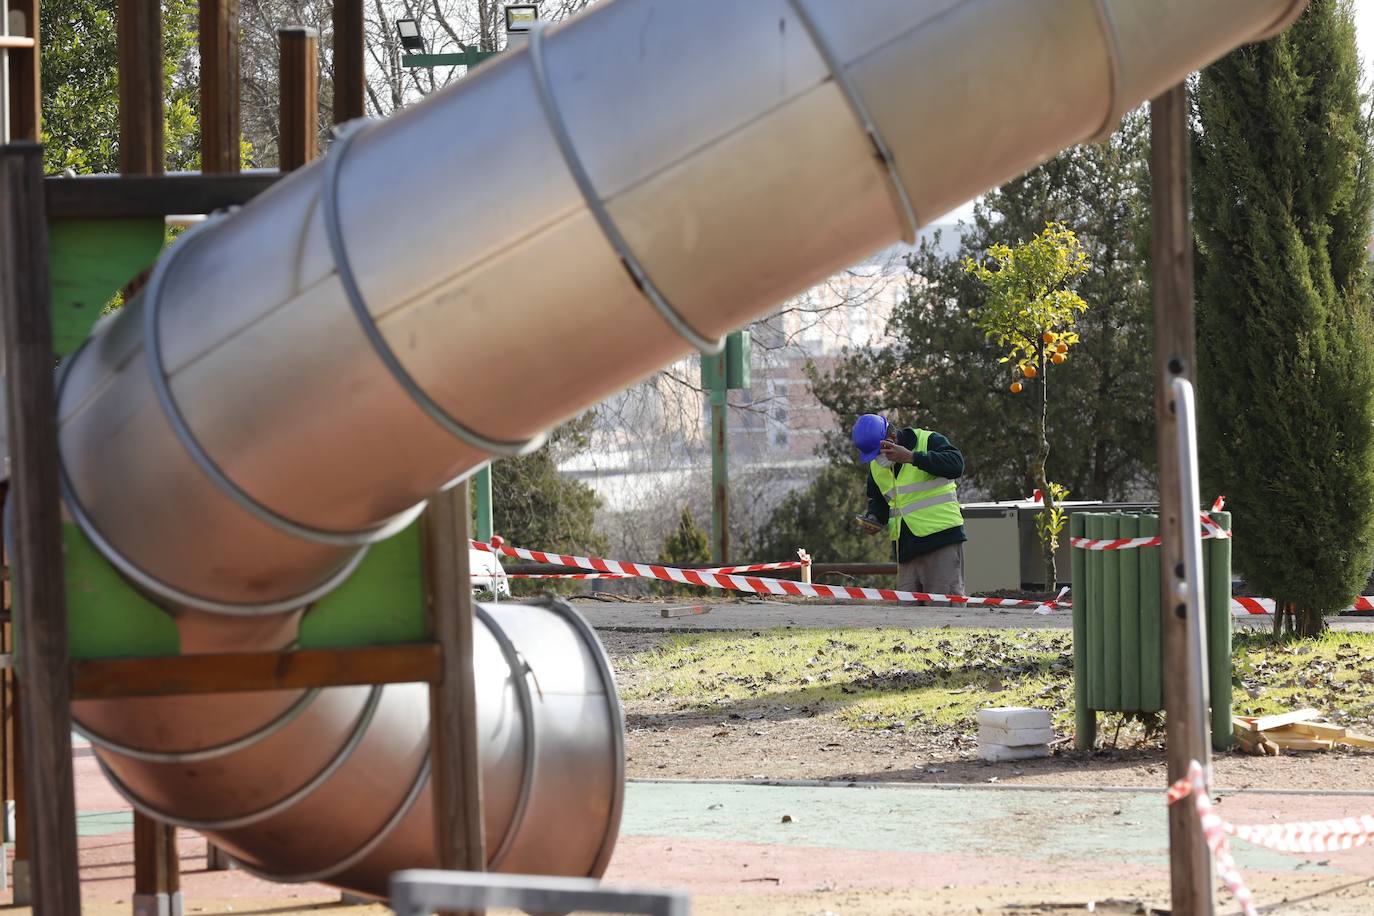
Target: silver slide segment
(298, 377)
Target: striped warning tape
(757, 584)
(1210, 529)
(1304, 836)
(1214, 831)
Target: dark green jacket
(940, 458)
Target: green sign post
(726, 370)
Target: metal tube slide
(298, 377)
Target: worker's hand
(895, 453)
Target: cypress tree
(1283, 202)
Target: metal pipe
(299, 376)
(1190, 591)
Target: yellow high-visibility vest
(923, 502)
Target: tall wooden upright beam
(454, 754)
(300, 93)
(349, 86)
(157, 873)
(25, 88)
(39, 593)
(1190, 865)
(141, 142)
(219, 85)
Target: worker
(912, 494)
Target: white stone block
(1014, 717)
(996, 752)
(1014, 737)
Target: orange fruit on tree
(1047, 337)
(1015, 387)
(1062, 348)
(1058, 358)
(1028, 370)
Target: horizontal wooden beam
(103, 679)
(113, 196)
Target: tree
(1029, 313)
(687, 545)
(942, 372)
(81, 86)
(820, 518)
(533, 505)
(1285, 351)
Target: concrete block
(996, 752)
(1014, 717)
(1014, 737)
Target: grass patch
(937, 679)
(873, 678)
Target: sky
(1364, 24)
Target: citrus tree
(1030, 311)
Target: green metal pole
(1129, 527)
(1218, 579)
(1085, 720)
(1111, 617)
(1097, 694)
(1151, 651)
(481, 484)
(720, 477)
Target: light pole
(520, 19)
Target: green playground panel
(382, 603)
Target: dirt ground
(771, 742)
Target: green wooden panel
(1085, 720)
(1129, 592)
(1151, 651)
(1218, 579)
(1111, 616)
(1097, 694)
(382, 603)
(106, 617)
(91, 260)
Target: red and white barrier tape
(1210, 529)
(1245, 607)
(1214, 829)
(756, 584)
(1303, 836)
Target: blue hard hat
(869, 432)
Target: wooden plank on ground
(1356, 740)
(1318, 730)
(1265, 723)
(235, 671)
(690, 610)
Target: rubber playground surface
(807, 849)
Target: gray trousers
(940, 572)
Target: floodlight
(409, 30)
(521, 17)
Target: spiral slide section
(443, 287)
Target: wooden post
(299, 97)
(349, 79)
(217, 859)
(454, 753)
(219, 85)
(157, 873)
(40, 595)
(24, 76)
(141, 149)
(1190, 865)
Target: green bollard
(1219, 632)
(1085, 720)
(1111, 617)
(1151, 651)
(1097, 694)
(1129, 527)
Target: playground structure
(296, 380)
